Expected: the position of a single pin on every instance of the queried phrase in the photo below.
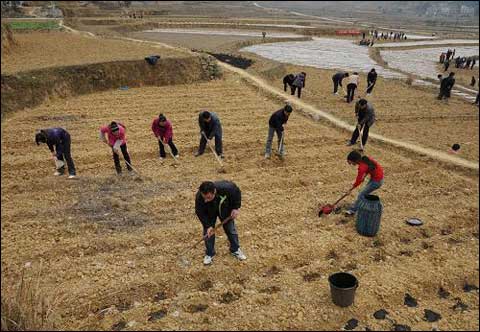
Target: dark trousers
(172, 146)
(477, 99)
(444, 93)
(295, 88)
(218, 144)
(356, 133)
(126, 156)
(447, 64)
(370, 86)
(232, 235)
(351, 92)
(335, 85)
(63, 154)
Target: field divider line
(311, 110)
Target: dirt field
(189, 41)
(411, 114)
(37, 50)
(109, 245)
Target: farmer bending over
(299, 83)
(288, 80)
(60, 138)
(114, 136)
(365, 118)
(337, 81)
(221, 199)
(275, 125)
(210, 127)
(366, 165)
(163, 131)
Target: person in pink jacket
(114, 136)
(163, 131)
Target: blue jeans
(232, 235)
(370, 187)
(268, 146)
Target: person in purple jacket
(58, 141)
(163, 131)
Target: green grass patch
(32, 25)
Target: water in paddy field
(225, 33)
(326, 53)
(423, 62)
(429, 42)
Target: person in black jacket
(371, 80)
(210, 126)
(58, 141)
(446, 86)
(365, 114)
(221, 199)
(275, 125)
(337, 81)
(288, 80)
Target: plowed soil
(109, 245)
(37, 50)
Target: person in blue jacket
(210, 126)
(58, 141)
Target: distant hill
(427, 10)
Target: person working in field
(352, 85)
(365, 114)
(337, 81)
(299, 83)
(366, 166)
(163, 131)
(446, 86)
(371, 80)
(58, 141)
(210, 127)
(275, 125)
(288, 80)
(114, 136)
(221, 199)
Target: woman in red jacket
(366, 165)
(163, 131)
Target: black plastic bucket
(342, 288)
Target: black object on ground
(342, 288)
(456, 147)
(119, 326)
(351, 324)
(398, 327)
(443, 293)
(236, 61)
(410, 301)
(460, 306)
(469, 288)
(380, 314)
(153, 316)
(152, 60)
(432, 316)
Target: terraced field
(107, 247)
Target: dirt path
(317, 113)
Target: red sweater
(163, 132)
(375, 175)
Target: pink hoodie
(163, 132)
(111, 137)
